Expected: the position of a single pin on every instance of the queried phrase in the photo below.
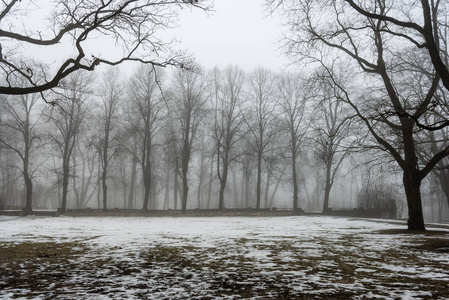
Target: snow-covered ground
(222, 258)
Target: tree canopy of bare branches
(120, 30)
(396, 67)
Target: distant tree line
(186, 139)
(154, 134)
(374, 98)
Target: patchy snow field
(219, 258)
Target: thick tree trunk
(412, 186)
(412, 179)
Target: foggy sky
(236, 32)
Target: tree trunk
(248, 188)
(105, 189)
(147, 187)
(132, 184)
(175, 191)
(28, 186)
(223, 178)
(412, 178)
(259, 179)
(211, 177)
(185, 193)
(65, 184)
(223, 181)
(412, 186)
(267, 190)
(327, 189)
(99, 187)
(200, 181)
(235, 188)
(29, 194)
(295, 182)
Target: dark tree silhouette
(384, 49)
(130, 25)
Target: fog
(200, 110)
(113, 141)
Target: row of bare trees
(384, 64)
(166, 133)
(151, 134)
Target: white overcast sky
(236, 32)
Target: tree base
(415, 226)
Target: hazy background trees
(373, 95)
(145, 119)
(188, 110)
(293, 98)
(227, 101)
(217, 139)
(67, 117)
(106, 140)
(261, 120)
(21, 135)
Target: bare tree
(20, 134)
(293, 98)
(206, 158)
(67, 117)
(391, 114)
(145, 117)
(105, 141)
(228, 86)
(186, 112)
(331, 127)
(130, 26)
(261, 119)
(416, 24)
